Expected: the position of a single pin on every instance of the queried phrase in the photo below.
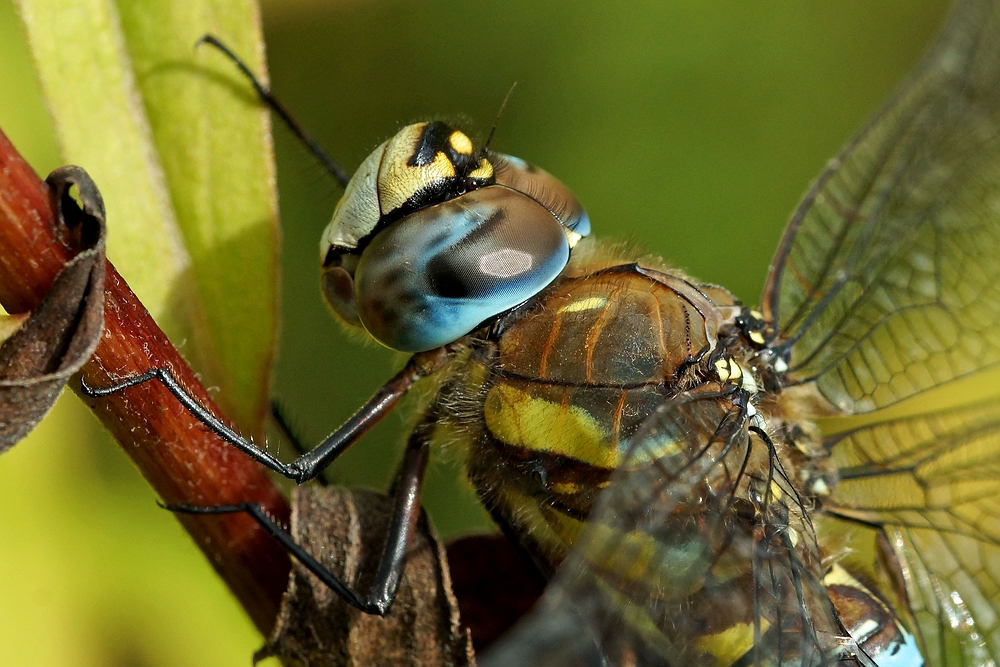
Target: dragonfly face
(432, 238)
(708, 484)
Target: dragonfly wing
(887, 282)
(932, 481)
(699, 553)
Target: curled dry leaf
(60, 335)
(345, 531)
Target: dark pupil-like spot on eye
(446, 281)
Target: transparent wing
(699, 553)
(887, 281)
(933, 482)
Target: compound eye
(546, 189)
(437, 274)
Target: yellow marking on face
(756, 314)
(580, 305)
(722, 369)
(518, 419)
(461, 143)
(736, 372)
(730, 644)
(572, 238)
(399, 181)
(756, 337)
(776, 493)
(483, 171)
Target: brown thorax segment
(620, 326)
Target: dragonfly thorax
(566, 380)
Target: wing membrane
(698, 554)
(887, 281)
(933, 482)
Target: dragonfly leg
(311, 464)
(290, 435)
(406, 510)
(265, 96)
(166, 378)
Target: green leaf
(181, 150)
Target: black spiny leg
(406, 510)
(291, 436)
(309, 465)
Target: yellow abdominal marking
(517, 418)
(731, 644)
(590, 303)
(673, 571)
(838, 576)
(461, 143)
(728, 371)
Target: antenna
(496, 121)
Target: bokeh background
(690, 128)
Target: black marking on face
(433, 139)
(333, 257)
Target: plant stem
(182, 461)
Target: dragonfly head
(432, 238)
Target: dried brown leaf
(345, 530)
(60, 335)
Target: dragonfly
(813, 482)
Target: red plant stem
(177, 455)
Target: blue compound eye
(516, 174)
(437, 274)
(433, 238)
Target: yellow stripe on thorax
(517, 418)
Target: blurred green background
(690, 128)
